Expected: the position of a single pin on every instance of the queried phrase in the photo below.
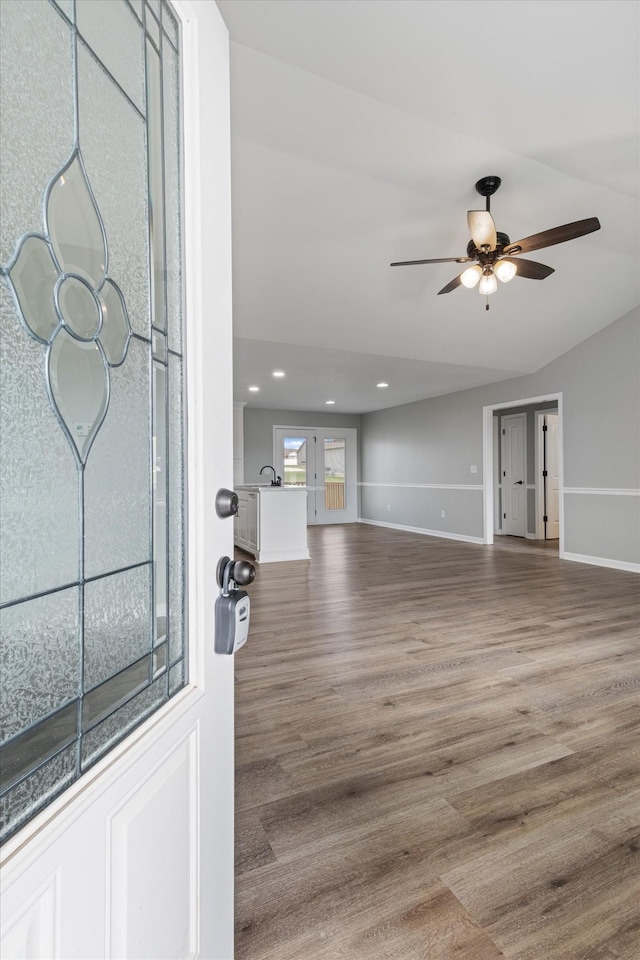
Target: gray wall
(258, 433)
(436, 441)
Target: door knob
(241, 572)
(520, 482)
(226, 503)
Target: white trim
(279, 556)
(530, 536)
(421, 530)
(604, 491)
(603, 562)
(426, 486)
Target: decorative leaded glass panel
(115, 37)
(170, 24)
(106, 734)
(91, 408)
(39, 506)
(120, 500)
(42, 656)
(66, 6)
(117, 166)
(36, 107)
(117, 622)
(176, 510)
(172, 192)
(153, 27)
(29, 796)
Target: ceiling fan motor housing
(502, 241)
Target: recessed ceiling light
(382, 384)
(278, 373)
(329, 402)
(254, 389)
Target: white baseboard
(530, 536)
(602, 562)
(427, 533)
(278, 556)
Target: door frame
(488, 462)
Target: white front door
(323, 459)
(513, 469)
(135, 859)
(552, 477)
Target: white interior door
(513, 464)
(135, 859)
(552, 479)
(324, 459)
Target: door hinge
(544, 473)
(504, 473)
(503, 432)
(544, 428)
(546, 519)
(504, 516)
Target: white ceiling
(359, 128)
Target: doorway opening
(522, 471)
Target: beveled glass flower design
(68, 303)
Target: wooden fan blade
(529, 269)
(410, 263)
(456, 282)
(482, 229)
(568, 231)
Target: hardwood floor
(437, 754)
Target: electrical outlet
(442, 514)
(389, 506)
(474, 468)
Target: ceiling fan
(492, 253)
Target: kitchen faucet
(277, 481)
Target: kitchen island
(272, 522)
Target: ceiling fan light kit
(492, 253)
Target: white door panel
(136, 858)
(513, 463)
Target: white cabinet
(272, 522)
(246, 527)
(240, 521)
(253, 539)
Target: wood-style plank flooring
(437, 754)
